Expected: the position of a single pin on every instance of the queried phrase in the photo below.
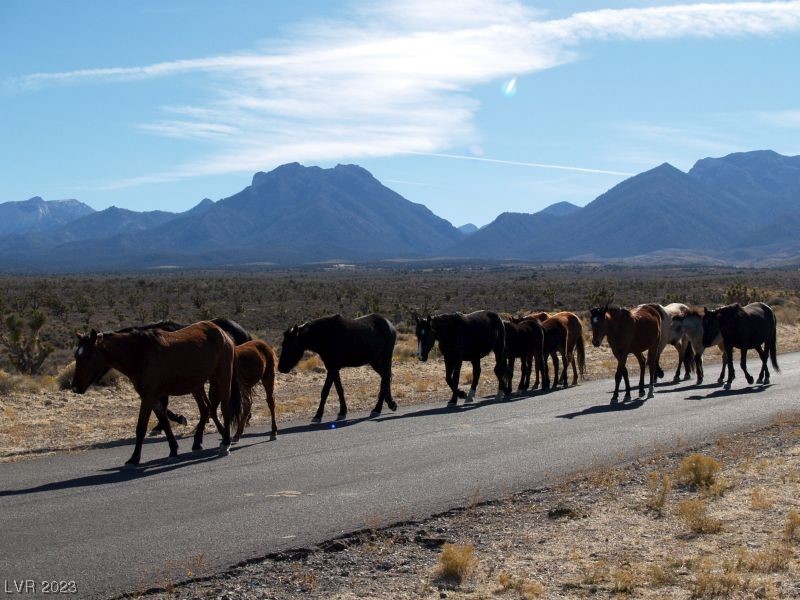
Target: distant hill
(560, 209)
(743, 208)
(720, 204)
(37, 215)
(291, 214)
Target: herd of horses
(170, 359)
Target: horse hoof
(224, 450)
(461, 394)
(154, 432)
(316, 420)
(374, 414)
(129, 466)
(727, 386)
(651, 395)
(198, 448)
(614, 399)
(626, 398)
(235, 440)
(183, 421)
(686, 377)
(172, 458)
(749, 380)
(343, 416)
(452, 403)
(392, 405)
(273, 437)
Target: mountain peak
(468, 228)
(560, 209)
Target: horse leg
(526, 367)
(651, 364)
(763, 376)
(743, 364)
(340, 392)
(503, 379)
(574, 362)
(724, 364)
(627, 381)
(476, 376)
(681, 353)
(161, 415)
(698, 365)
(455, 377)
(268, 381)
(326, 388)
(157, 427)
(247, 407)
(538, 370)
(141, 428)
(376, 366)
(203, 405)
(565, 366)
(554, 359)
(617, 380)
(729, 360)
(510, 370)
(640, 358)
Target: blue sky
(156, 105)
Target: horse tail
(581, 352)
(773, 350)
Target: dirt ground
(722, 520)
(39, 418)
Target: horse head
(292, 348)
(90, 362)
(599, 324)
(425, 336)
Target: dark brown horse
(340, 343)
(634, 331)
(465, 337)
(745, 327)
(576, 352)
(159, 364)
(524, 340)
(255, 363)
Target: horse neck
(119, 351)
(615, 328)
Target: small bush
(792, 527)
(759, 500)
(526, 589)
(624, 580)
(456, 562)
(26, 384)
(710, 583)
(769, 560)
(698, 471)
(64, 378)
(312, 363)
(659, 488)
(694, 514)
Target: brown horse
(255, 362)
(159, 364)
(556, 341)
(629, 332)
(576, 353)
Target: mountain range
(739, 209)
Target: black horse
(237, 333)
(465, 337)
(745, 327)
(525, 340)
(342, 342)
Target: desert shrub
(768, 560)
(22, 341)
(712, 583)
(64, 378)
(694, 513)
(26, 384)
(456, 562)
(659, 487)
(312, 363)
(759, 499)
(792, 527)
(527, 589)
(698, 470)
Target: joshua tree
(22, 342)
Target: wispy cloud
(394, 78)
(789, 119)
(518, 163)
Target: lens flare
(510, 87)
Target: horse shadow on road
(721, 393)
(605, 408)
(121, 474)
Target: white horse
(689, 328)
(680, 341)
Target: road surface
(81, 518)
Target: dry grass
(659, 486)
(527, 589)
(697, 471)
(791, 530)
(694, 514)
(716, 582)
(769, 560)
(759, 500)
(456, 562)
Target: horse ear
(93, 336)
(605, 308)
(78, 335)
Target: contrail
(523, 164)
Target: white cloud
(393, 79)
(788, 119)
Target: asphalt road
(81, 518)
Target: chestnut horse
(629, 332)
(255, 363)
(556, 341)
(744, 327)
(160, 363)
(342, 342)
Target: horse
(629, 332)
(576, 353)
(524, 340)
(237, 333)
(676, 310)
(556, 341)
(666, 333)
(255, 362)
(161, 363)
(689, 328)
(744, 327)
(341, 342)
(462, 338)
